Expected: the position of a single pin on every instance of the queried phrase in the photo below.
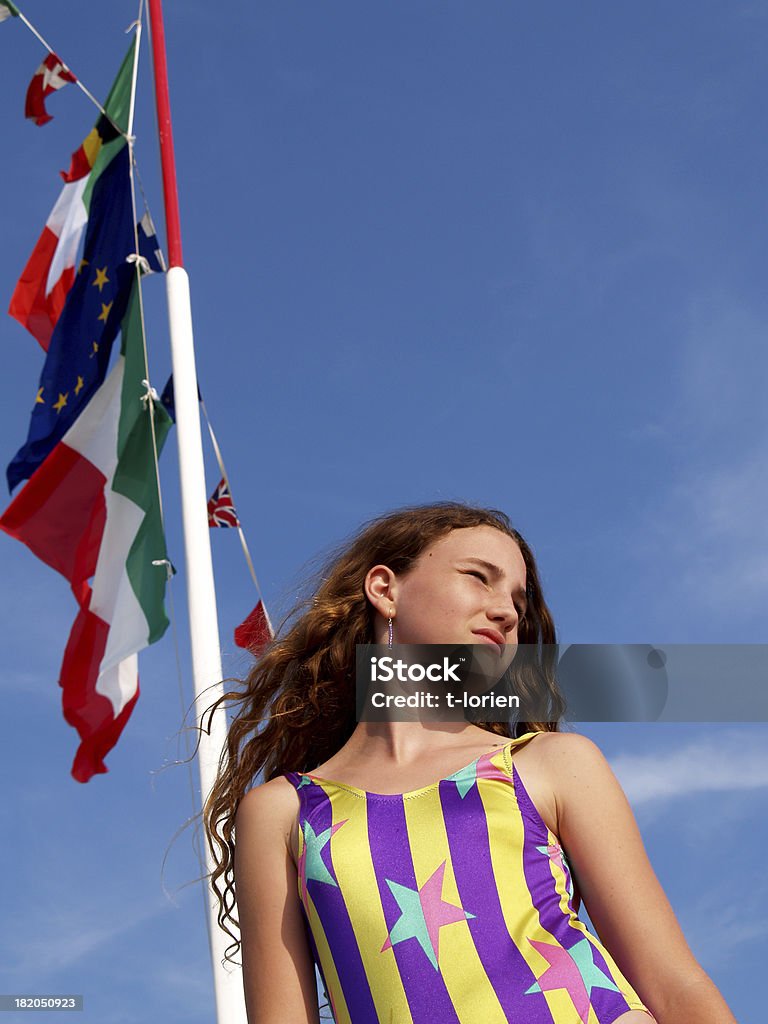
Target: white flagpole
(201, 595)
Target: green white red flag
(91, 511)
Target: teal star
(314, 866)
(593, 976)
(465, 778)
(423, 914)
(411, 924)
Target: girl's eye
(484, 578)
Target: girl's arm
(625, 901)
(278, 970)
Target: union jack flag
(221, 511)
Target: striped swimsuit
(450, 904)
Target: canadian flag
(49, 77)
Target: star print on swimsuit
(423, 914)
(556, 854)
(574, 970)
(465, 779)
(481, 768)
(311, 864)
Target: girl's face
(468, 587)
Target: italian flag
(8, 10)
(92, 512)
(42, 289)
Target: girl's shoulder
(271, 806)
(560, 751)
(550, 764)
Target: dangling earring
(390, 630)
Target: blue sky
(502, 252)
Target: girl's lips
(489, 637)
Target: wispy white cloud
(30, 683)
(734, 761)
(186, 990)
(721, 369)
(708, 517)
(722, 531)
(47, 940)
(740, 923)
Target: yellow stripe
(506, 834)
(357, 881)
(559, 876)
(466, 981)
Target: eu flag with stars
(78, 355)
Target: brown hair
(297, 707)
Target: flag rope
(131, 109)
(240, 531)
(137, 261)
(22, 17)
(151, 397)
(140, 183)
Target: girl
(432, 870)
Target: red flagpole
(167, 157)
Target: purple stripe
(295, 779)
(425, 990)
(606, 1004)
(468, 840)
(334, 917)
(538, 874)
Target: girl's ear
(381, 589)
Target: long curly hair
(296, 707)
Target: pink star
(436, 911)
(423, 912)
(555, 854)
(486, 769)
(563, 973)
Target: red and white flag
(255, 632)
(221, 511)
(52, 75)
(42, 289)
